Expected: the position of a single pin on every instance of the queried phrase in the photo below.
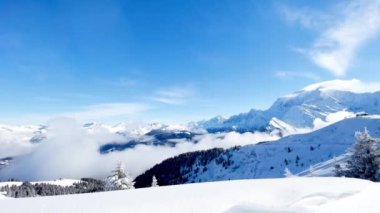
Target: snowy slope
(270, 195)
(269, 159)
(264, 160)
(314, 103)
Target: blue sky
(175, 61)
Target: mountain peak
(354, 86)
(303, 109)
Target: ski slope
(261, 195)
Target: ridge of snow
(277, 126)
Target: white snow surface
(261, 195)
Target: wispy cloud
(64, 98)
(96, 112)
(174, 95)
(306, 17)
(353, 85)
(336, 47)
(349, 27)
(108, 110)
(292, 75)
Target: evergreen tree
(364, 159)
(120, 179)
(154, 181)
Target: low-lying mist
(70, 151)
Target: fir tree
(154, 181)
(364, 159)
(120, 179)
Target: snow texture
(264, 196)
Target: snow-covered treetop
(120, 178)
(154, 181)
(364, 136)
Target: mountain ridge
(297, 152)
(301, 109)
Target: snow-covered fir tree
(154, 181)
(120, 179)
(364, 159)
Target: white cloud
(15, 140)
(69, 151)
(72, 152)
(354, 85)
(174, 96)
(292, 75)
(331, 118)
(96, 112)
(108, 110)
(336, 47)
(306, 17)
(348, 27)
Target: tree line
(118, 180)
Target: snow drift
(264, 196)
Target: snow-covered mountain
(309, 109)
(322, 103)
(155, 137)
(297, 118)
(124, 128)
(264, 160)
